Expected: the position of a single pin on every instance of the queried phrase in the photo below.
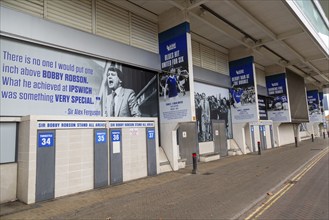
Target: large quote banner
(278, 103)
(174, 79)
(40, 80)
(243, 92)
(314, 106)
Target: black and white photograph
(211, 103)
(128, 91)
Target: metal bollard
(195, 163)
(259, 152)
(312, 137)
(296, 142)
(328, 134)
(324, 135)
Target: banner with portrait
(243, 98)
(38, 80)
(314, 107)
(278, 102)
(174, 79)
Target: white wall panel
(7, 142)
(112, 22)
(74, 13)
(222, 63)
(196, 53)
(144, 34)
(74, 166)
(8, 177)
(134, 154)
(287, 135)
(34, 7)
(95, 16)
(260, 77)
(52, 34)
(209, 58)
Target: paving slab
(221, 189)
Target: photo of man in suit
(121, 102)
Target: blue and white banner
(38, 80)
(314, 108)
(174, 80)
(278, 103)
(243, 92)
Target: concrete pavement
(222, 189)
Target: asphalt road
(306, 197)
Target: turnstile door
(262, 134)
(219, 137)
(45, 173)
(187, 135)
(272, 138)
(116, 169)
(101, 168)
(151, 152)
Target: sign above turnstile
(139, 124)
(70, 124)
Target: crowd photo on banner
(211, 103)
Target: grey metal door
(216, 136)
(45, 173)
(262, 133)
(116, 173)
(188, 140)
(272, 138)
(253, 142)
(219, 137)
(101, 168)
(223, 138)
(151, 152)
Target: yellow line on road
(260, 210)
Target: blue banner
(242, 92)
(314, 108)
(174, 79)
(313, 99)
(173, 53)
(242, 72)
(276, 84)
(278, 105)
